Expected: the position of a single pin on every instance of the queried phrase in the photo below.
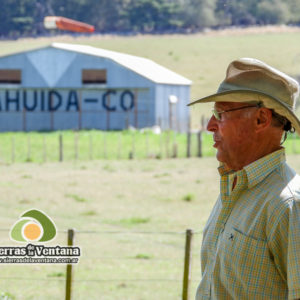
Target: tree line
(25, 17)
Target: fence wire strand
(95, 280)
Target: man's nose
(212, 124)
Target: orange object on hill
(53, 22)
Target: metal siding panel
(163, 107)
(152, 106)
(145, 107)
(38, 121)
(11, 122)
(65, 120)
(13, 60)
(183, 111)
(72, 75)
(93, 120)
(51, 64)
(117, 121)
(119, 76)
(30, 76)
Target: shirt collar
(259, 169)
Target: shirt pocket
(246, 265)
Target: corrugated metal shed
(64, 86)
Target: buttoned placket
(229, 196)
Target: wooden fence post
(168, 143)
(188, 144)
(61, 152)
(160, 155)
(69, 270)
(199, 140)
(187, 264)
(132, 152)
(174, 154)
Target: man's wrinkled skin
(243, 136)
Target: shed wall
(56, 109)
(178, 118)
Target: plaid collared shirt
(251, 242)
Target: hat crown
(253, 75)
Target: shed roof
(143, 66)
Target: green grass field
(108, 202)
(96, 198)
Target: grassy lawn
(108, 203)
(102, 200)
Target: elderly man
(251, 243)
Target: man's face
(233, 133)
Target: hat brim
(251, 96)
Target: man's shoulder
(284, 183)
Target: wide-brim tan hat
(249, 79)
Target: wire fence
(91, 145)
(133, 261)
(94, 145)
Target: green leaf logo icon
(33, 226)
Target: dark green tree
(272, 12)
(17, 17)
(153, 15)
(236, 12)
(294, 11)
(107, 15)
(199, 13)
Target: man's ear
(263, 119)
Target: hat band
(227, 87)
